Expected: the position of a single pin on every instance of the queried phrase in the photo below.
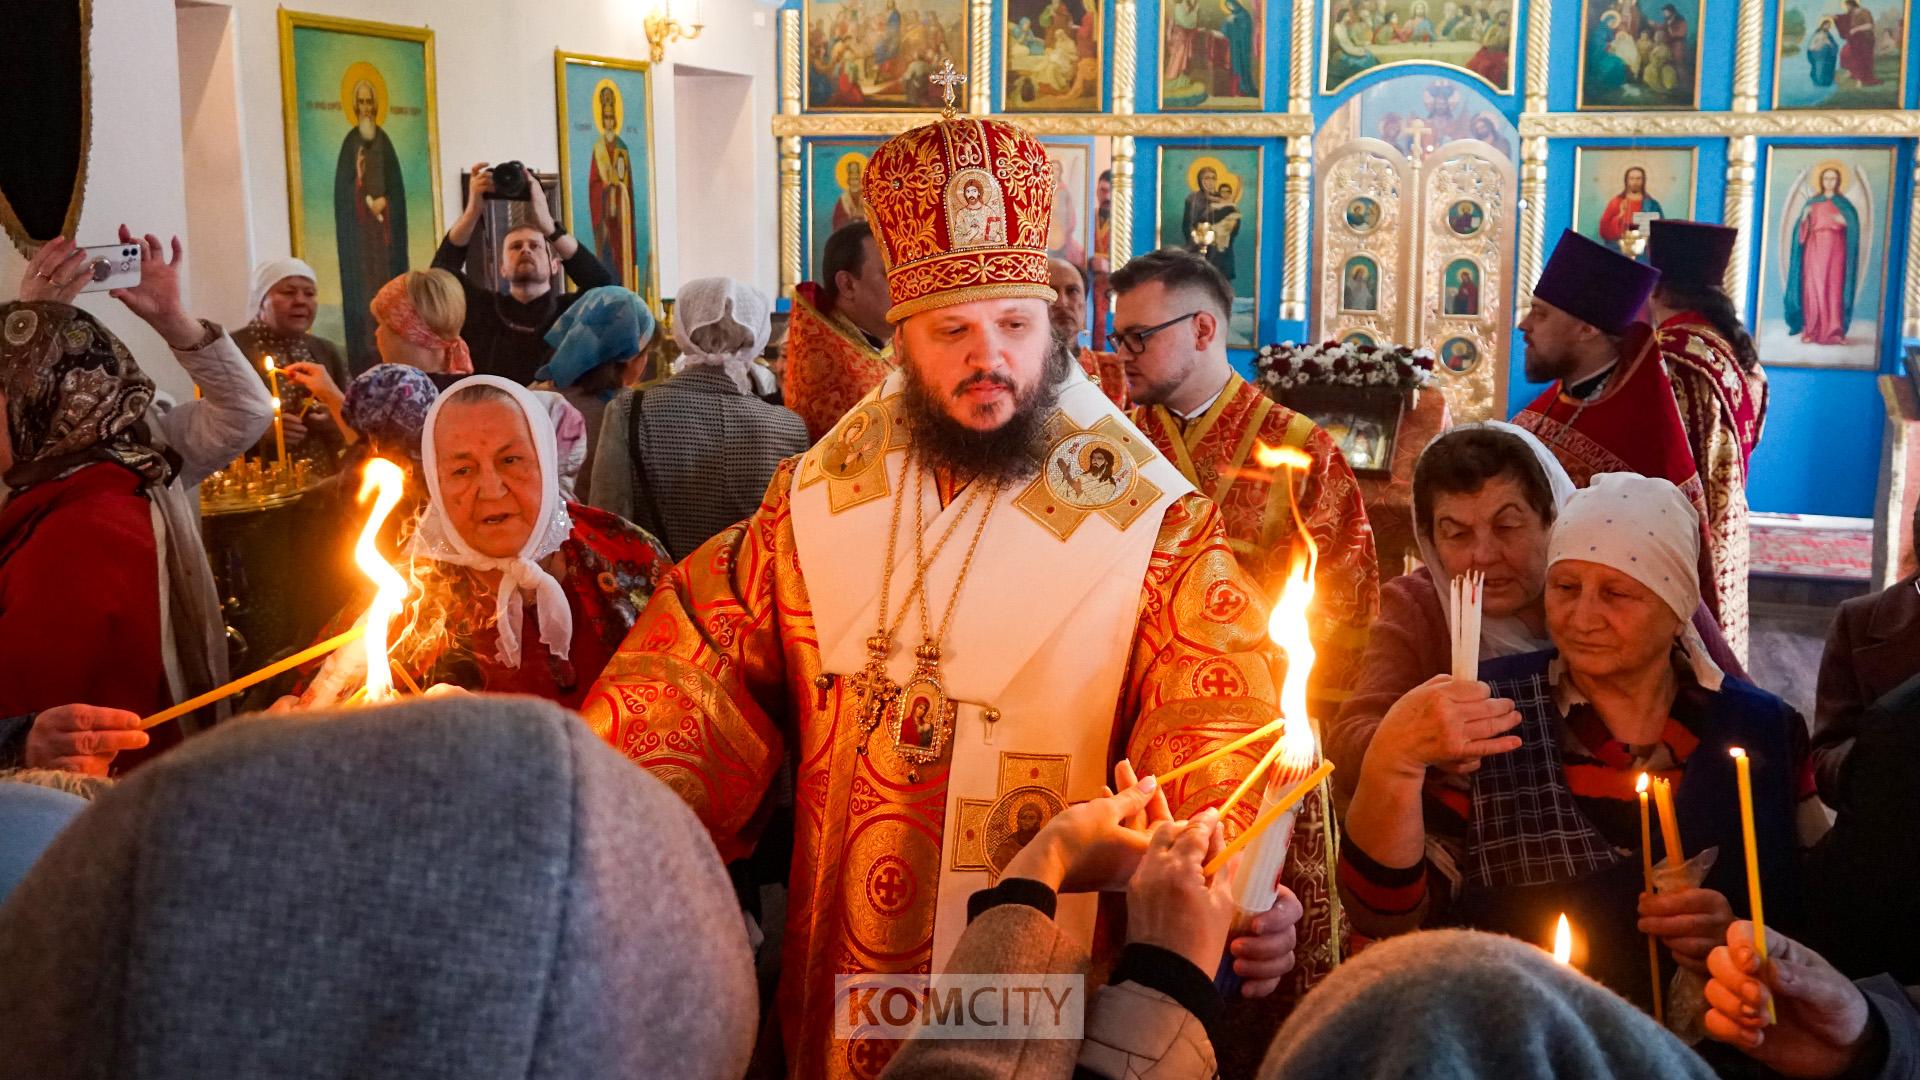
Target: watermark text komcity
(959, 1006)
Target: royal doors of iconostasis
(1415, 220)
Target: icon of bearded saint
(977, 218)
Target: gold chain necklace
(874, 690)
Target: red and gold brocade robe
(1106, 369)
(1631, 424)
(722, 679)
(1723, 409)
(1215, 452)
(830, 364)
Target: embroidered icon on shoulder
(852, 458)
(1089, 471)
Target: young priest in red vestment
(1170, 323)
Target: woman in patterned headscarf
(104, 595)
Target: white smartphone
(113, 266)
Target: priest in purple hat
(1721, 392)
(1611, 407)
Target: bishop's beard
(1014, 451)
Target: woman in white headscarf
(517, 590)
(693, 455)
(1548, 820)
(1485, 498)
(280, 310)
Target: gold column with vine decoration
(1742, 167)
(792, 72)
(1743, 153)
(1913, 260)
(1533, 159)
(1299, 174)
(1746, 58)
(1126, 66)
(980, 58)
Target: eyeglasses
(1135, 341)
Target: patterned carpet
(1791, 545)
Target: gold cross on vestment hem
(948, 80)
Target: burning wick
(1563, 941)
(384, 481)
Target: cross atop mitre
(949, 81)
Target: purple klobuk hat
(1691, 252)
(1595, 284)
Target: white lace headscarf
(715, 301)
(1507, 636)
(439, 540)
(1645, 528)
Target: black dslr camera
(510, 180)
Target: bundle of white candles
(1464, 599)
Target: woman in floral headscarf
(518, 590)
(100, 597)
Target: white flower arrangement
(1287, 365)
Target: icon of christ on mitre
(934, 632)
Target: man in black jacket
(506, 331)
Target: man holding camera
(506, 331)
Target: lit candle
(1646, 869)
(1563, 941)
(273, 374)
(279, 435)
(1745, 771)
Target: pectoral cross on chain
(948, 80)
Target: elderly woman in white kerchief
(516, 589)
(1549, 823)
(280, 310)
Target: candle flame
(1734, 751)
(1640, 785)
(276, 406)
(267, 362)
(1563, 941)
(384, 482)
(1289, 626)
(1275, 457)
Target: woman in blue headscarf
(599, 346)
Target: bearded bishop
(952, 618)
